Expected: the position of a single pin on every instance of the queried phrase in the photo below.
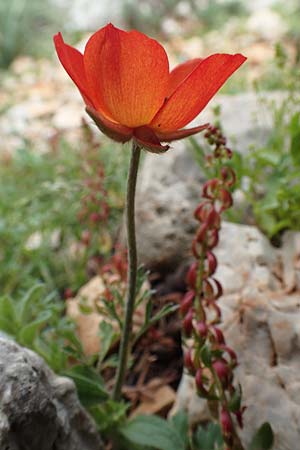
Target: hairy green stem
(132, 271)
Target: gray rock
(169, 186)
(38, 409)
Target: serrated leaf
(154, 432)
(263, 438)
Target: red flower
(129, 92)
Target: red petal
(113, 130)
(193, 94)
(180, 72)
(72, 61)
(147, 139)
(170, 136)
(128, 73)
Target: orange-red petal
(72, 61)
(128, 73)
(147, 139)
(170, 136)
(180, 72)
(195, 91)
(115, 131)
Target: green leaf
(89, 383)
(263, 438)
(181, 425)
(205, 356)
(235, 401)
(154, 432)
(23, 307)
(7, 315)
(27, 334)
(209, 438)
(107, 337)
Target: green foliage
(153, 432)
(271, 172)
(263, 438)
(40, 197)
(90, 385)
(35, 321)
(21, 21)
(209, 438)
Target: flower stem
(132, 271)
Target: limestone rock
(38, 409)
(169, 186)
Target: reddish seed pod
(201, 233)
(228, 152)
(187, 302)
(219, 289)
(202, 329)
(211, 262)
(231, 353)
(212, 239)
(226, 423)
(210, 188)
(228, 176)
(221, 368)
(188, 361)
(188, 323)
(213, 219)
(203, 210)
(225, 198)
(199, 383)
(192, 275)
(219, 336)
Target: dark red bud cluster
(208, 358)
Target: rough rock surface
(261, 323)
(170, 185)
(38, 409)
